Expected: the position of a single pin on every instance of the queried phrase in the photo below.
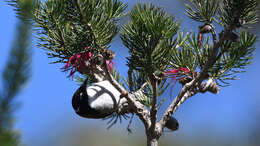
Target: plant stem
(151, 141)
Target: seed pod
(239, 22)
(98, 59)
(172, 124)
(210, 86)
(108, 54)
(206, 28)
(213, 87)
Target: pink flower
(177, 73)
(77, 62)
(200, 39)
(110, 64)
(178, 70)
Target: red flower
(177, 73)
(110, 64)
(77, 62)
(178, 70)
(200, 39)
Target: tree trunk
(152, 141)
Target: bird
(97, 101)
(101, 100)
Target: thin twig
(130, 79)
(129, 124)
(143, 86)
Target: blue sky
(46, 99)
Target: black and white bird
(97, 101)
(101, 100)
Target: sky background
(46, 115)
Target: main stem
(153, 134)
(152, 140)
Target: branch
(138, 108)
(173, 107)
(189, 87)
(212, 58)
(130, 79)
(153, 111)
(143, 86)
(210, 86)
(214, 34)
(222, 52)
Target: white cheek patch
(103, 95)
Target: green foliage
(232, 59)
(143, 84)
(23, 8)
(202, 10)
(15, 74)
(235, 12)
(138, 78)
(238, 12)
(184, 54)
(202, 53)
(120, 79)
(149, 93)
(9, 138)
(67, 27)
(235, 58)
(149, 38)
(17, 71)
